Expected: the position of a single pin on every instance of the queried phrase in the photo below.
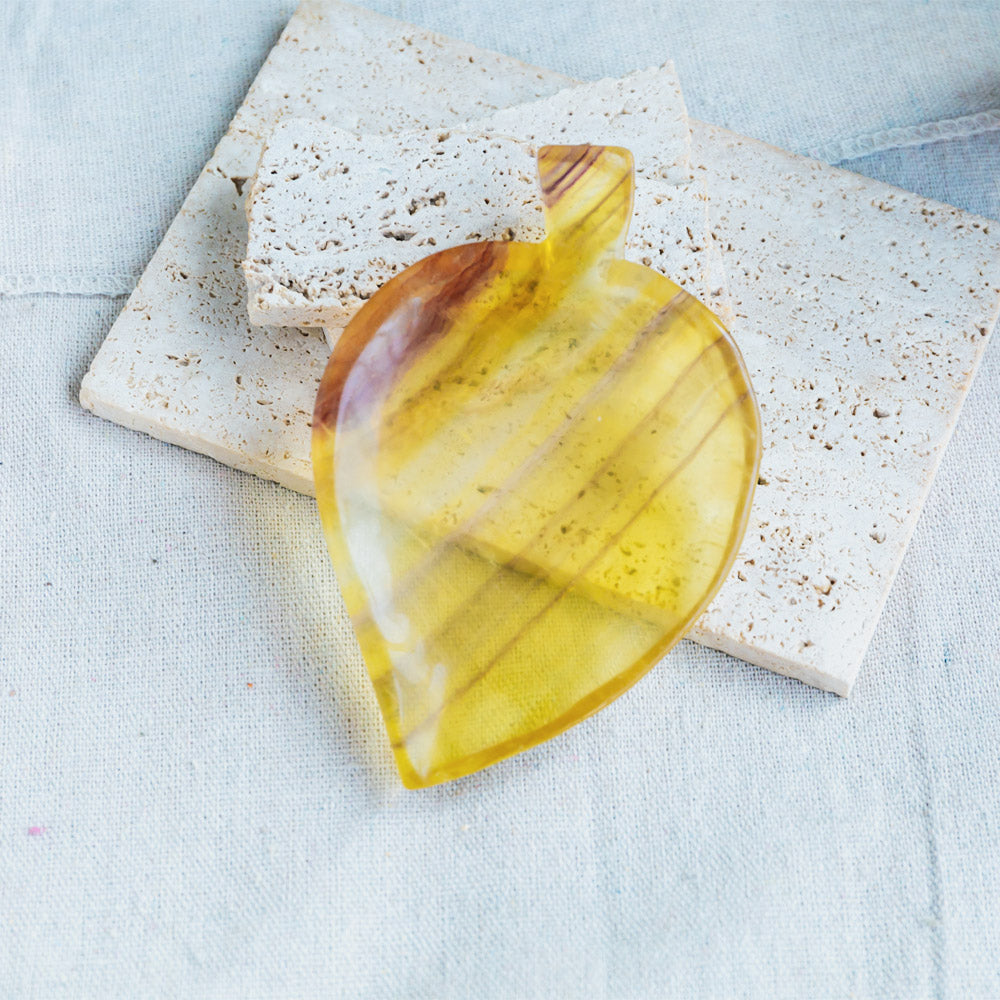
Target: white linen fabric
(196, 798)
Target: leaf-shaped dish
(534, 465)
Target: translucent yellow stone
(534, 465)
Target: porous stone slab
(862, 312)
(333, 215)
(841, 286)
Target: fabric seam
(47, 283)
(943, 130)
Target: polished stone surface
(534, 465)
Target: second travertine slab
(862, 312)
(333, 215)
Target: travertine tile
(862, 312)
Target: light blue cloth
(196, 800)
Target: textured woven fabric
(196, 798)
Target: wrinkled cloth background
(196, 798)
